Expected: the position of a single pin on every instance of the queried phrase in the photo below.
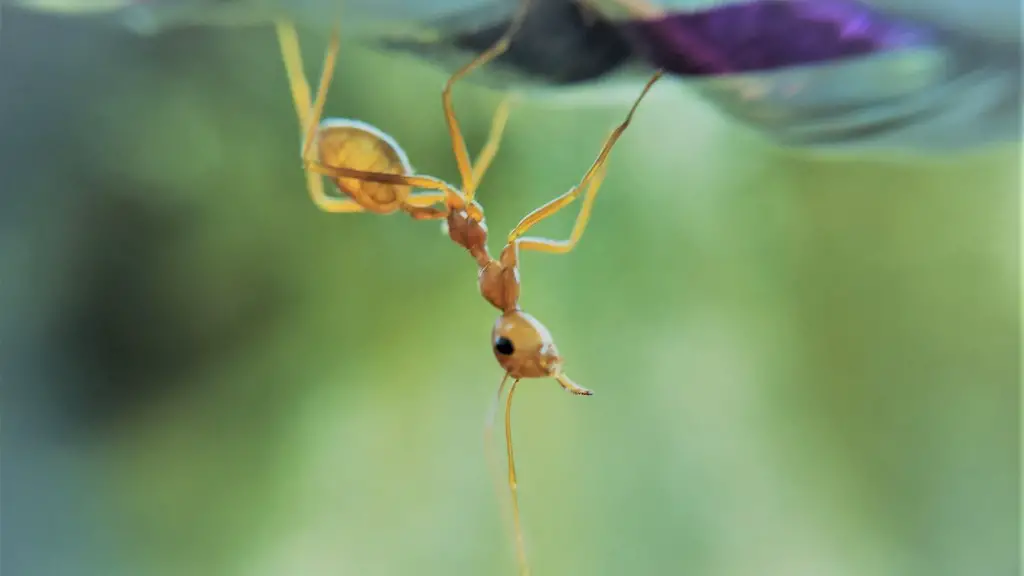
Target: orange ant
(370, 168)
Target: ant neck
(482, 256)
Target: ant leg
(291, 53)
(426, 212)
(425, 199)
(288, 40)
(590, 182)
(450, 195)
(327, 72)
(462, 159)
(338, 205)
(421, 206)
(490, 149)
(564, 246)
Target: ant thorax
(498, 280)
(470, 233)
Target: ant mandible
(373, 171)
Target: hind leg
(308, 118)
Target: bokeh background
(803, 365)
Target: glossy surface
(343, 142)
(533, 354)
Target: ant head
(524, 347)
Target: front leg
(559, 246)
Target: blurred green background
(803, 365)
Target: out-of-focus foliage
(801, 366)
(844, 75)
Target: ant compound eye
(504, 346)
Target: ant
(373, 172)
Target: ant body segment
(373, 173)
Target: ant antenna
(492, 461)
(512, 483)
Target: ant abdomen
(345, 143)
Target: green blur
(801, 365)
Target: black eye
(504, 346)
